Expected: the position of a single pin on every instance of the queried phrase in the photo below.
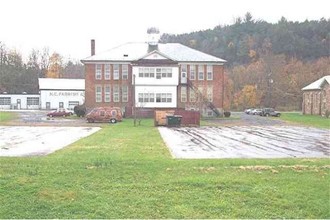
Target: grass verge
(7, 116)
(127, 172)
(307, 120)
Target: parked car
(248, 111)
(270, 112)
(60, 112)
(104, 114)
(256, 111)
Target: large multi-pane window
(5, 100)
(192, 72)
(107, 71)
(184, 94)
(163, 97)
(32, 100)
(116, 93)
(116, 71)
(151, 72)
(107, 93)
(200, 72)
(209, 93)
(98, 93)
(124, 94)
(98, 71)
(146, 97)
(124, 73)
(209, 73)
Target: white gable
(155, 56)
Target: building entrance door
(18, 101)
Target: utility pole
(133, 98)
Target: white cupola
(153, 36)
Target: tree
(55, 69)
(248, 97)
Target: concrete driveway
(247, 142)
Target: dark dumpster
(173, 120)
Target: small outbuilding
(316, 97)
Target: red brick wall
(90, 83)
(217, 83)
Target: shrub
(327, 113)
(227, 114)
(80, 110)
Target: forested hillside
(17, 75)
(268, 64)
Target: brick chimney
(92, 47)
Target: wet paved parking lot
(247, 142)
(21, 141)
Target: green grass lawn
(308, 120)
(127, 172)
(7, 116)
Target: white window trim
(209, 69)
(107, 95)
(124, 69)
(107, 72)
(98, 95)
(98, 72)
(116, 72)
(201, 70)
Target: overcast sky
(67, 26)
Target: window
(169, 72)
(200, 72)
(141, 72)
(192, 95)
(146, 72)
(60, 104)
(161, 97)
(98, 71)
(145, 97)
(164, 72)
(158, 99)
(158, 73)
(152, 97)
(140, 97)
(124, 70)
(168, 97)
(5, 100)
(124, 94)
(192, 72)
(183, 68)
(116, 71)
(116, 93)
(209, 72)
(102, 113)
(183, 94)
(107, 71)
(32, 101)
(210, 93)
(98, 93)
(107, 93)
(152, 72)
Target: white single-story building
(19, 101)
(53, 94)
(61, 93)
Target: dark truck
(269, 112)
